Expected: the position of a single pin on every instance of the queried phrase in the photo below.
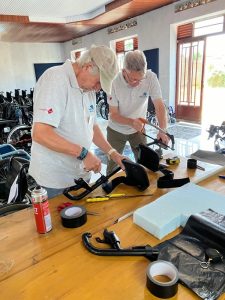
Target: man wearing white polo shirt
(65, 120)
(129, 101)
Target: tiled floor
(183, 147)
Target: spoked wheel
(154, 120)
(4, 167)
(4, 173)
(20, 137)
(104, 110)
(219, 145)
(98, 107)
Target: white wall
(156, 29)
(17, 62)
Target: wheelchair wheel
(98, 107)
(104, 110)
(4, 167)
(20, 137)
(4, 170)
(154, 121)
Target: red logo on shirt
(48, 110)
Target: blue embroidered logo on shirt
(144, 95)
(91, 108)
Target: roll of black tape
(73, 216)
(160, 288)
(192, 163)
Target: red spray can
(41, 210)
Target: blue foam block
(173, 209)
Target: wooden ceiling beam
(116, 4)
(14, 19)
(19, 28)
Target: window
(210, 26)
(129, 45)
(201, 28)
(76, 54)
(124, 46)
(120, 58)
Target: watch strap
(83, 153)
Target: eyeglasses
(135, 78)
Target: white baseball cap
(106, 60)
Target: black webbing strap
(168, 181)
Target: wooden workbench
(57, 266)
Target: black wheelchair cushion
(148, 158)
(136, 175)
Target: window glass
(208, 26)
(120, 57)
(123, 46)
(129, 45)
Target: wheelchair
(218, 132)
(15, 185)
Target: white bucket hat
(106, 60)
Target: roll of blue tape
(73, 216)
(159, 288)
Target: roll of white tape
(158, 287)
(73, 216)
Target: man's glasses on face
(134, 77)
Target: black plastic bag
(188, 250)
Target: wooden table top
(57, 266)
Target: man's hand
(117, 158)
(138, 124)
(92, 163)
(163, 137)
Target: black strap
(163, 182)
(168, 181)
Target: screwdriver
(112, 196)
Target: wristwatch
(83, 153)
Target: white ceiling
(54, 11)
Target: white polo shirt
(59, 102)
(132, 102)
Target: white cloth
(132, 102)
(59, 102)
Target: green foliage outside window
(217, 79)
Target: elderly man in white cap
(64, 124)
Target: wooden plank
(14, 19)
